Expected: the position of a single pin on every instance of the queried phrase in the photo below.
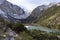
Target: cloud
(31, 4)
(24, 3)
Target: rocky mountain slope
(11, 12)
(50, 17)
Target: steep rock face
(11, 12)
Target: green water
(43, 29)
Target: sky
(31, 4)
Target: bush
(18, 27)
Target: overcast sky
(31, 4)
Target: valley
(43, 23)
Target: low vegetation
(50, 18)
(25, 34)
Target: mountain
(35, 14)
(11, 12)
(50, 17)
